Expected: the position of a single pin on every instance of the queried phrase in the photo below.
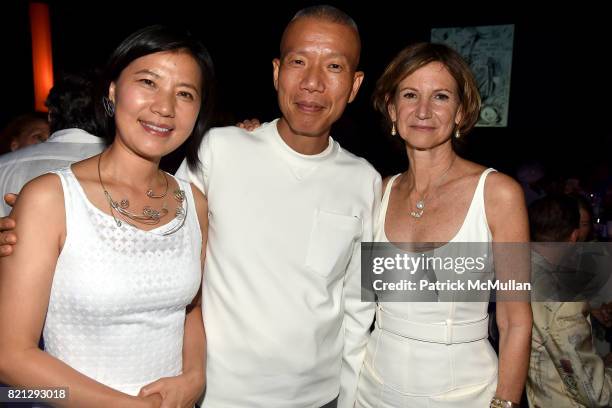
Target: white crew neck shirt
(284, 321)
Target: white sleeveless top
(475, 227)
(117, 306)
(435, 365)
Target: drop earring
(109, 107)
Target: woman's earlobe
(111, 92)
(391, 112)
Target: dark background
(550, 118)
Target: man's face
(586, 224)
(315, 77)
(36, 132)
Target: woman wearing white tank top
(108, 262)
(429, 97)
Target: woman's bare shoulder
(40, 207)
(42, 190)
(501, 187)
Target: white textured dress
(117, 306)
(428, 354)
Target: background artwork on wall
(488, 50)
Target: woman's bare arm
(25, 285)
(507, 217)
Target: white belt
(447, 332)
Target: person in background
(564, 368)
(24, 130)
(600, 305)
(585, 231)
(74, 136)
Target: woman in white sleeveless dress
(436, 354)
(108, 263)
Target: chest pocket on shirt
(331, 242)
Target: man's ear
(275, 70)
(357, 80)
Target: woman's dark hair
(150, 40)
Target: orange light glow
(42, 59)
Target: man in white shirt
(71, 119)
(288, 208)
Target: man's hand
(10, 199)
(152, 401)
(8, 238)
(249, 124)
(180, 391)
(7, 225)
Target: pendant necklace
(420, 203)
